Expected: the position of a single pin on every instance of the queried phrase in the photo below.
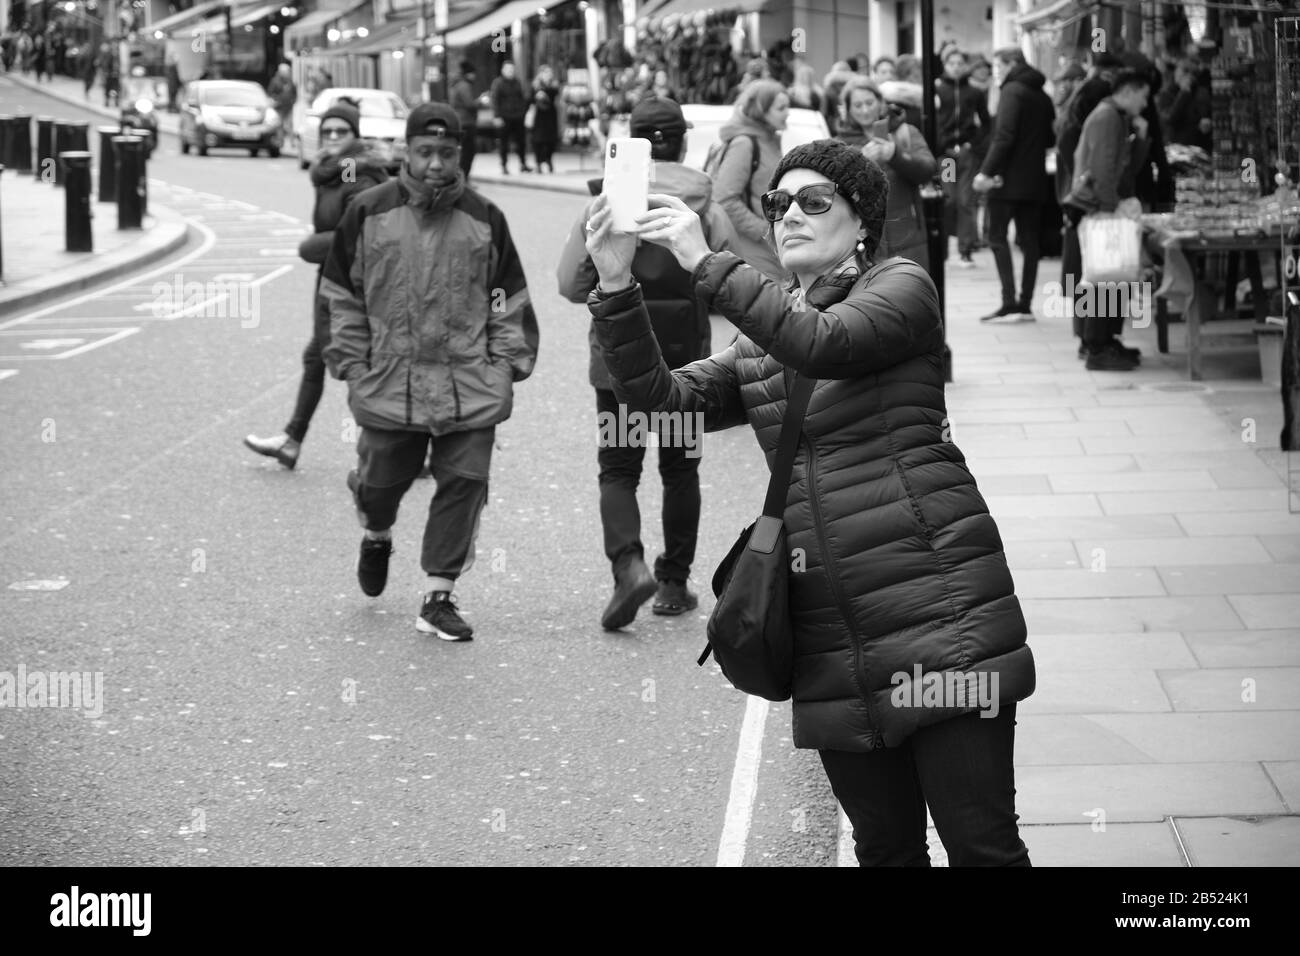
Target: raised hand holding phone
(627, 181)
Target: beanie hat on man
(346, 112)
(861, 182)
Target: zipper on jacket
(832, 574)
(455, 392)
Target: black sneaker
(1110, 359)
(1002, 313)
(673, 598)
(632, 588)
(280, 447)
(372, 566)
(439, 616)
(1134, 354)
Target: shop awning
(498, 19)
(702, 6)
(174, 23)
(240, 16)
(243, 18)
(393, 35)
(313, 26)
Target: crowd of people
(818, 256)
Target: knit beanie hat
(861, 182)
(345, 112)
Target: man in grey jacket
(1112, 147)
(681, 326)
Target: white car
(383, 122)
(802, 126)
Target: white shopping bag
(1112, 247)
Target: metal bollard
(72, 136)
(44, 146)
(107, 164)
(5, 120)
(932, 200)
(60, 145)
(20, 147)
(76, 218)
(130, 181)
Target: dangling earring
(862, 246)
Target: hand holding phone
(627, 181)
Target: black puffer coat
(904, 565)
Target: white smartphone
(627, 180)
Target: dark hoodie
(680, 322)
(963, 114)
(1022, 135)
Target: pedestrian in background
(509, 106)
(964, 124)
(344, 167)
(681, 327)
(749, 147)
(546, 118)
(804, 92)
(1017, 156)
(431, 357)
(905, 569)
(832, 87)
(884, 137)
(89, 68)
(1113, 146)
(284, 94)
(464, 100)
(882, 71)
(755, 70)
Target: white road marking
(209, 240)
(7, 373)
(744, 784)
(50, 343)
(120, 334)
(277, 252)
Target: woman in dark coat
(546, 118)
(903, 603)
(344, 168)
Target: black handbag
(749, 629)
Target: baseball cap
(657, 113)
(432, 119)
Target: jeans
(388, 464)
(961, 206)
(1027, 216)
(962, 768)
(512, 131)
(620, 516)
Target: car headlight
(271, 118)
(144, 106)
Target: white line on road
(209, 240)
(744, 784)
(7, 373)
(121, 334)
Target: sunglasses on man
(813, 200)
(335, 132)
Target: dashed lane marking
(7, 373)
(744, 784)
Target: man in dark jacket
(431, 325)
(963, 127)
(1112, 149)
(284, 94)
(465, 103)
(510, 106)
(1022, 135)
(1185, 108)
(681, 326)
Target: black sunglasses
(335, 132)
(813, 200)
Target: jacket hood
(691, 186)
(1026, 74)
(895, 91)
(749, 127)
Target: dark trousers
(468, 148)
(962, 768)
(960, 206)
(312, 384)
(620, 516)
(389, 462)
(1027, 217)
(512, 131)
(1095, 331)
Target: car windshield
(234, 96)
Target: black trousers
(962, 768)
(312, 385)
(468, 148)
(1027, 216)
(620, 516)
(512, 131)
(388, 464)
(1094, 330)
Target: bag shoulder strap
(795, 409)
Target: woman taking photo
(753, 132)
(905, 573)
(901, 151)
(344, 167)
